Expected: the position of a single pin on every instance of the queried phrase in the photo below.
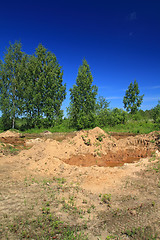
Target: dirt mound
(32, 142)
(9, 133)
(87, 148)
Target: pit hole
(111, 159)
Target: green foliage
(100, 137)
(117, 116)
(132, 126)
(102, 112)
(44, 89)
(141, 233)
(101, 105)
(156, 114)
(106, 116)
(86, 140)
(83, 99)
(32, 87)
(45, 226)
(106, 198)
(11, 84)
(132, 101)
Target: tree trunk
(13, 123)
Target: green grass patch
(131, 126)
(59, 128)
(45, 226)
(141, 233)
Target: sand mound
(9, 133)
(32, 142)
(96, 145)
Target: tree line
(32, 88)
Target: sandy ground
(131, 185)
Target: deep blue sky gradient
(119, 39)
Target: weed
(44, 227)
(111, 237)
(86, 141)
(116, 212)
(45, 210)
(141, 233)
(92, 206)
(71, 201)
(66, 207)
(89, 210)
(8, 149)
(99, 154)
(106, 198)
(47, 204)
(97, 144)
(60, 180)
(100, 137)
(153, 204)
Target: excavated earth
(98, 163)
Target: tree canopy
(156, 113)
(83, 99)
(31, 86)
(45, 91)
(132, 101)
(11, 84)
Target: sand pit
(73, 179)
(93, 147)
(89, 148)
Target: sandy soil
(131, 185)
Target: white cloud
(151, 87)
(113, 97)
(152, 98)
(155, 87)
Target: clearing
(81, 185)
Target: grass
(106, 198)
(38, 220)
(131, 126)
(59, 128)
(9, 150)
(141, 233)
(55, 208)
(45, 226)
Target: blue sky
(119, 39)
